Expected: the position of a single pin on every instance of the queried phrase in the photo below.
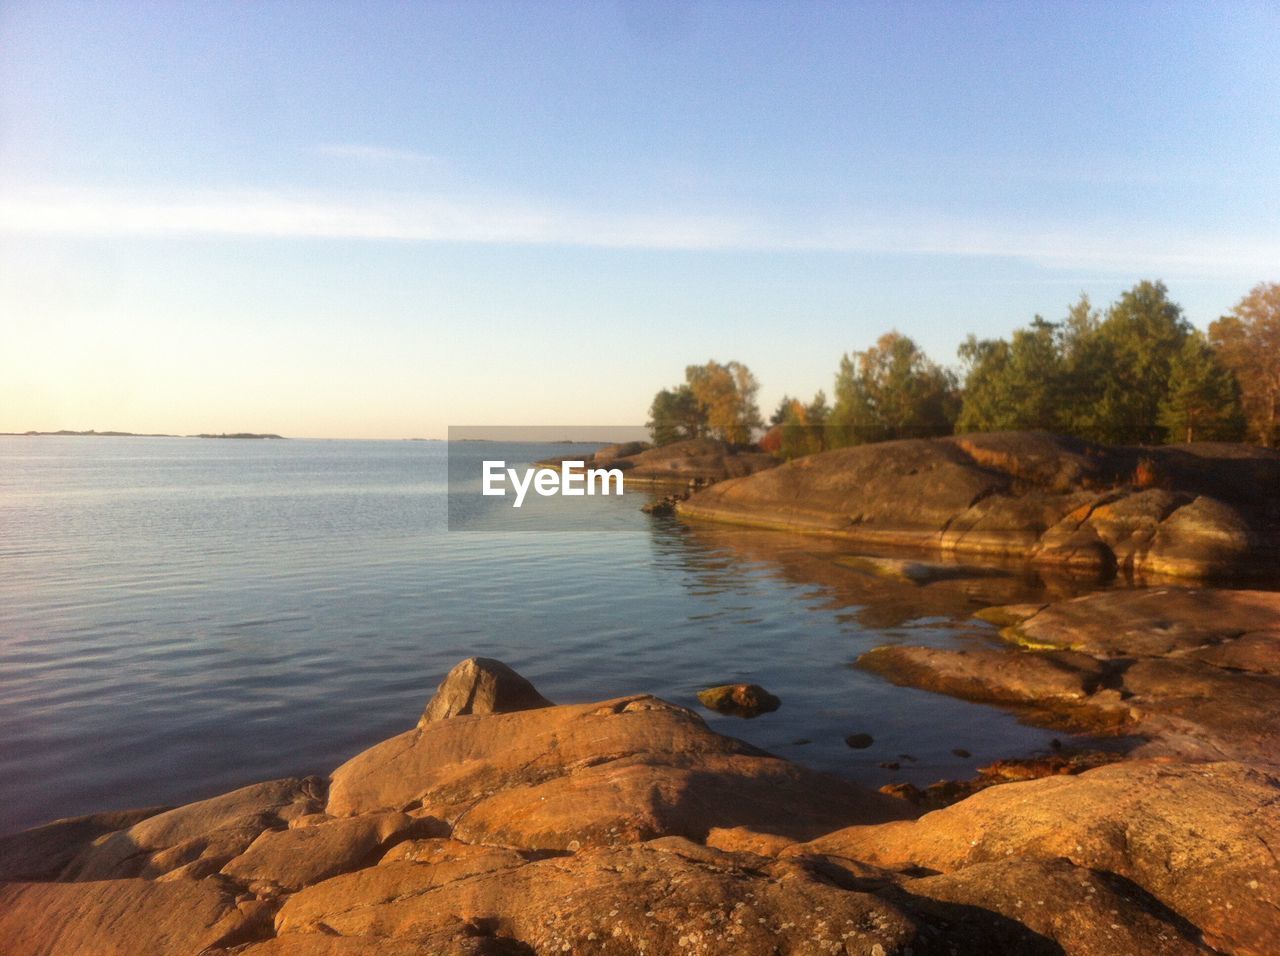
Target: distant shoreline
(96, 434)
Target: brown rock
(612, 772)
(1198, 837)
(1046, 907)
(1053, 500)
(739, 700)
(987, 675)
(698, 461)
(1149, 622)
(664, 897)
(214, 829)
(295, 858)
(43, 852)
(117, 918)
(481, 685)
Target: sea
(179, 617)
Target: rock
(1048, 907)
(1149, 622)
(43, 852)
(1197, 837)
(987, 675)
(698, 460)
(1053, 500)
(592, 774)
(214, 830)
(912, 572)
(745, 840)
(739, 700)
(481, 685)
(663, 897)
(294, 858)
(118, 918)
(859, 741)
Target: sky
(377, 220)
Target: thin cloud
(96, 213)
(368, 153)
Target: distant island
(109, 434)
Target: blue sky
(377, 219)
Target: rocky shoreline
(504, 824)
(1201, 511)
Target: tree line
(1136, 373)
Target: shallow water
(182, 616)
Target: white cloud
(98, 213)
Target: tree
(804, 428)
(1248, 342)
(1203, 399)
(1117, 377)
(891, 390)
(675, 416)
(1014, 385)
(726, 397)
(782, 411)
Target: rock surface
(697, 461)
(1029, 495)
(1195, 671)
(739, 700)
(481, 685)
(1145, 821)
(627, 826)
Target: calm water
(179, 617)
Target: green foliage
(804, 427)
(1248, 342)
(1021, 384)
(1202, 403)
(674, 416)
(889, 391)
(1119, 375)
(715, 399)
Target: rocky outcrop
(481, 685)
(1194, 671)
(696, 462)
(1143, 821)
(1202, 511)
(628, 826)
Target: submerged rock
(739, 700)
(481, 685)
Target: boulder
(481, 685)
(1197, 837)
(118, 918)
(593, 774)
(739, 700)
(212, 831)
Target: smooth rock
(216, 829)
(481, 685)
(117, 918)
(43, 852)
(298, 857)
(591, 774)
